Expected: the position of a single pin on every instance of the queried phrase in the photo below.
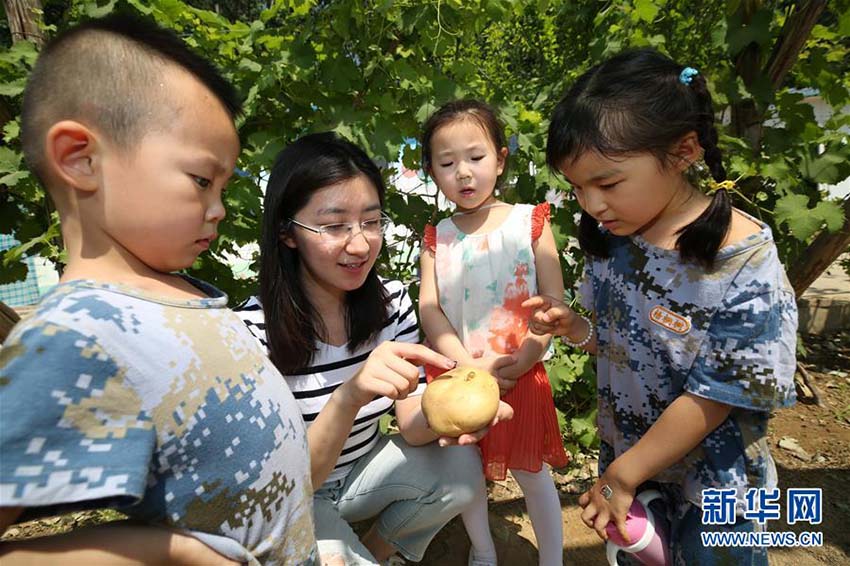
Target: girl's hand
(506, 384)
(598, 511)
(513, 371)
(504, 413)
(391, 370)
(550, 316)
(497, 366)
(509, 375)
(492, 364)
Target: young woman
(347, 342)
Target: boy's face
(161, 201)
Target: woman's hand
(599, 511)
(504, 413)
(391, 370)
(550, 316)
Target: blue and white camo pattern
(665, 328)
(165, 409)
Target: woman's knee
(452, 474)
(468, 459)
(333, 560)
(463, 473)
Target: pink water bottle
(648, 536)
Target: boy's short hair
(107, 74)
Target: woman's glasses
(342, 232)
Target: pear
(460, 401)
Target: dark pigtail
(700, 240)
(590, 238)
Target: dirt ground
(820, 457)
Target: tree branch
(791, 40)
(8, 319)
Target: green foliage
(373, 71)
(573, 379)
(793, 210)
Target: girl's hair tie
(687, 75)
(727, 185)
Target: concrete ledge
(825, 306)
(822, 315)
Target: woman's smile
(354, 267)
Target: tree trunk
(24, 20)
(827, 246)
(820, 254)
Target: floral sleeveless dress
(482, 280)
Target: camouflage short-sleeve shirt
(166, 409)
(665, 328)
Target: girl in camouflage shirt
(694, 321)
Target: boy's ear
(687, 150)
(72, 154)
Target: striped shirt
(333, 365)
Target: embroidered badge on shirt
(670, 320)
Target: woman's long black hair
(634, 103)
(293, 327)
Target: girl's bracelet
(587, 338)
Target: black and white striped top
(333, 365)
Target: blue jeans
(413, 492)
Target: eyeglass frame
(322, 232)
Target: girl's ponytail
(700, 240)
(591, 239)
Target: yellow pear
(459, 401)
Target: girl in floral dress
(478, 267)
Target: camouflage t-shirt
(665, 328)
(166, 409)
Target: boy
(133, 387)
